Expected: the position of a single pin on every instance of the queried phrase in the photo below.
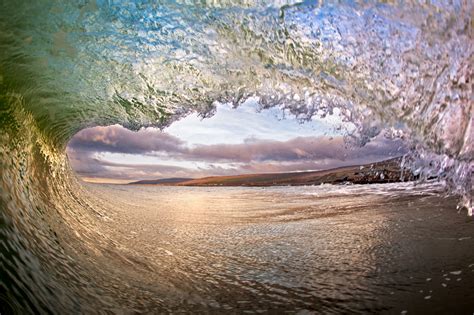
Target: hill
(388, 171)
(163, 181)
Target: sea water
(384, 248)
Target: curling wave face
(405, 67)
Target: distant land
(163, 181)
(388, 171)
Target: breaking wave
(402, 68)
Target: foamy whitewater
(403, 67)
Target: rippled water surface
(328, 249)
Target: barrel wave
(402, 67)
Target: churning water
(66, 65)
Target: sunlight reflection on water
(326, 249)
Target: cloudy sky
(233, 141)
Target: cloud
(254, 155)
(297, 149)
(118, 139)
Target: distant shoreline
(388, 171)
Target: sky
(233, 141)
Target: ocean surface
(388, 248)
(398, 68)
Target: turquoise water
(405, 68)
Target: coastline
(388, 171)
